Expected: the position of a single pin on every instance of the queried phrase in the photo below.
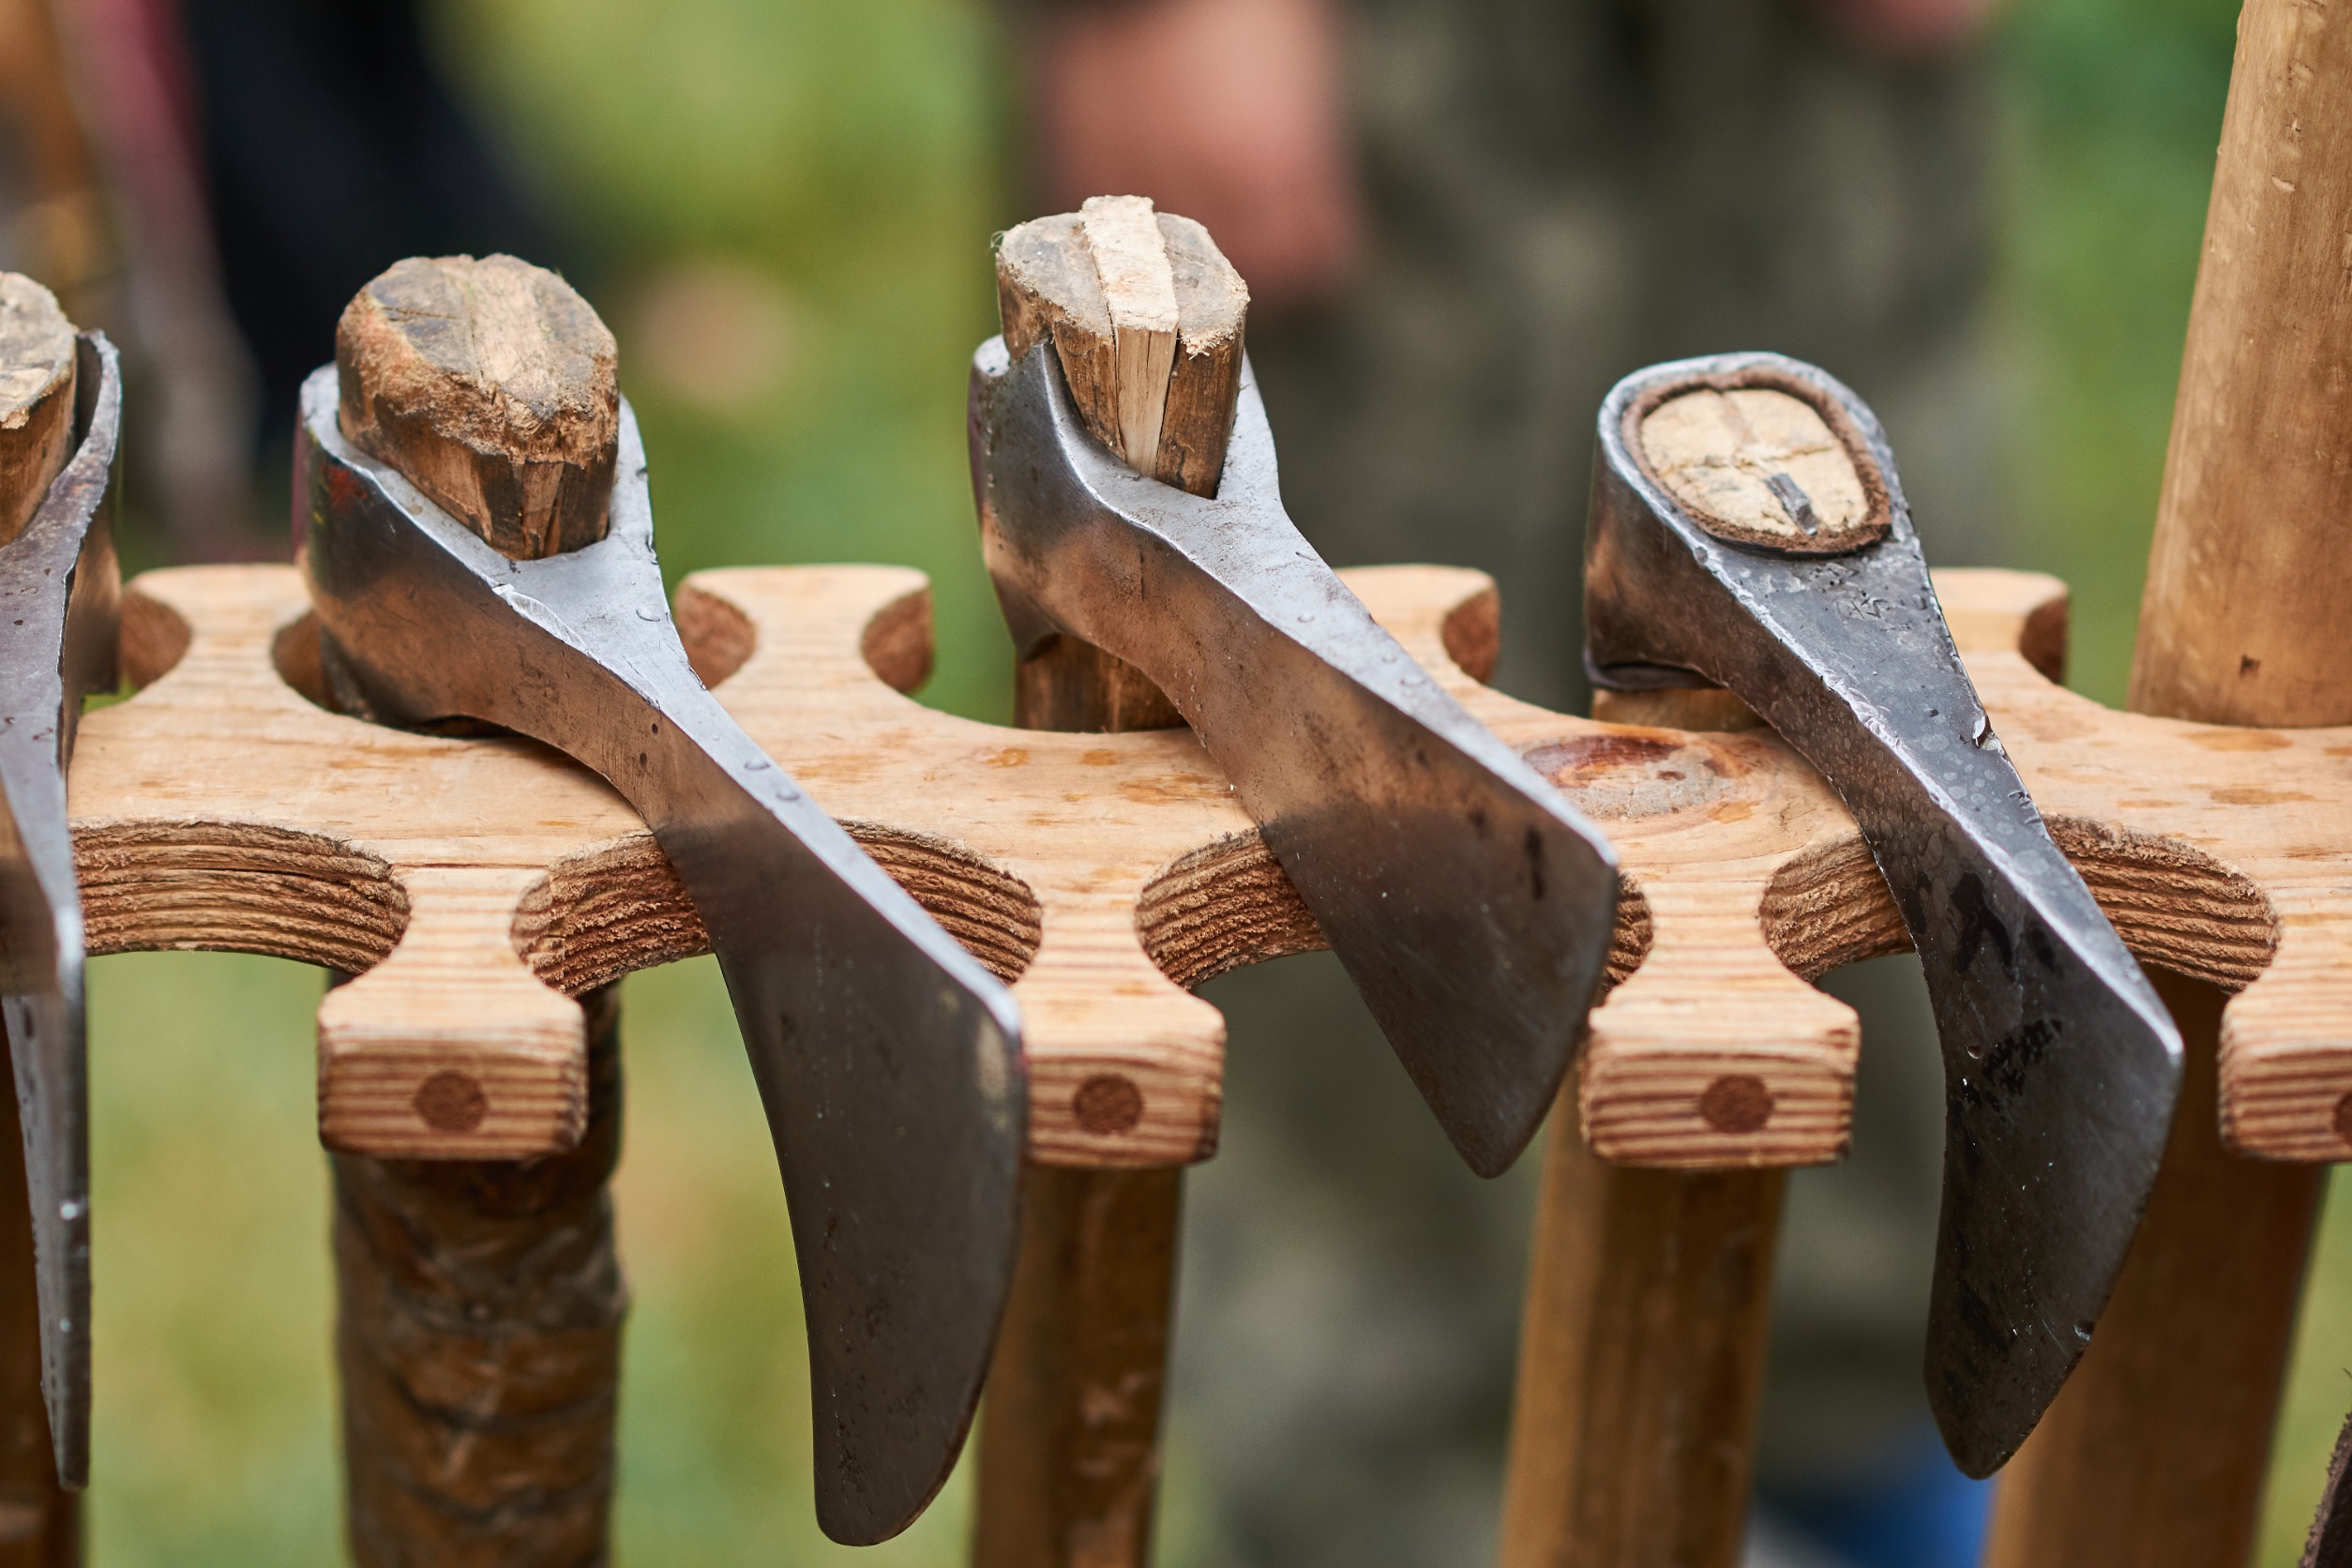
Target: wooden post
(2155, 1452)
(1641, 1350)
(480, 1303)
(39, 1521)
(1146, 316)
(479, 1334)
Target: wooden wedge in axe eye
(479, 545)
(1126, 480)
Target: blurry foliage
(800, 192)
(846, 151)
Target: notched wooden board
(479, 884)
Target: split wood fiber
(478, 1335)
(491, 386)
(36, 386)
(1641, 1350)
(2156, 1450)
(1146, 317)
(480, 1303)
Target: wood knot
(1107, 1105)
(1736, 1103)
(451, 1102)
(1618, 777)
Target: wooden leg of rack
(1641, 1363)
(2155, 1450)
(40, 1522)
(479, 1339)
(1069, 1439)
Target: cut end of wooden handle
(36, 385)
(1146, 316)
(492, 386)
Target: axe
(60, 418)
(1748, 529)
(1125, 482)
(477, 541)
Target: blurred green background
(788, 204)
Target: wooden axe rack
(476, 886)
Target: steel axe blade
(887, 1058)
(60, 603)
(1727, 541)
(1471, 905)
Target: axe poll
(60, 420)
(477, 541)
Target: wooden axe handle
(479, 1301)
(1145, 315)
(2155, 1452)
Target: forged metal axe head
(60, 420)
(1471, 904)
(887, 1058)
(1747, 527)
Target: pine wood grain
(36, 402)
(492, 385)
(1107, 873)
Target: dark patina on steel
(1471, 905)
(60, 606)
(888, 1059)
(2061, 1066)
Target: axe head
(61, 593)
(1748, 529)
(1471, 905)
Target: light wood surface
(478, 1337)
(37, 384)
(220, 807)
(2156, 1450)
(2243, 621)
(491, 385)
